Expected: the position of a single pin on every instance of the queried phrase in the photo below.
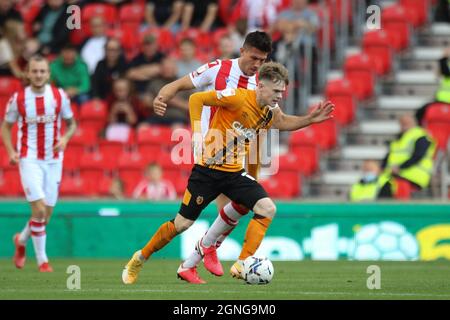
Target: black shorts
(206, 184)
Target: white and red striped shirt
(163, 190)
(219, 75)
(39, 117)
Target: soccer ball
(258, 270)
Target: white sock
(222, 237)
(193, 260)
(227, 220)
(25, 234)
(39, 238)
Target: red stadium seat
(94, 114)
(85, 136)
(131, 160)
(305, 136)
(282, 185)
(417, 11)
(94, 109)
(340, 93)
(72, 156)
(130, 178)
(103, 187)
(106, 11)
(308, 159)
(132, 12)
(167, 163)
(326, 134)
(111, 149)
(440, 132)
(179, 179)
(9, 85)
(438, 112)
(10, 184)
(377, 45)
(72, 186)
(396, 24)
(359, 71)
(437, 121)
(153, 134)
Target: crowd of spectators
(126, 61)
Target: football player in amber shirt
(239, 118)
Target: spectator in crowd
(260, 14)
(443, 92)
(125, 111)
(112, 67)
(124, 106)
(69, 72)
(153, 186)
(368, 187)
(410, 157)
(8, 13)
(166, 14)
(13, 37)
(178, 110)
(298, 26)
(187, 61)
(10, 44)
(238, 31)
(226, 48)
(145, 66)
(200, 14)
(50, 26)
(116, 188)
(93, 50)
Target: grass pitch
(101, 279)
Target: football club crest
(199, 200)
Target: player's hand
(159, 106)
(322, 112)
(14, 158)
(61, 145)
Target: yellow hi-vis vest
(401, 150)
(364, 191)
(443, 93)
(368, 191)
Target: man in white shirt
(38, 109)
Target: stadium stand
(372, 76)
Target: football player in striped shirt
(38, 109)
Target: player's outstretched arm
(71, 128)
(7, 141)
(319, 114)
(169, 91)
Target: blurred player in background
(38, 108)
(220, 170)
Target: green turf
(101, 279)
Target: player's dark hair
(273, 71)
(259, 40)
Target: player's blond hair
(273, 71)
(38, 58)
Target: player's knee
(182, 224)
(39, 210)
(265, 208)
